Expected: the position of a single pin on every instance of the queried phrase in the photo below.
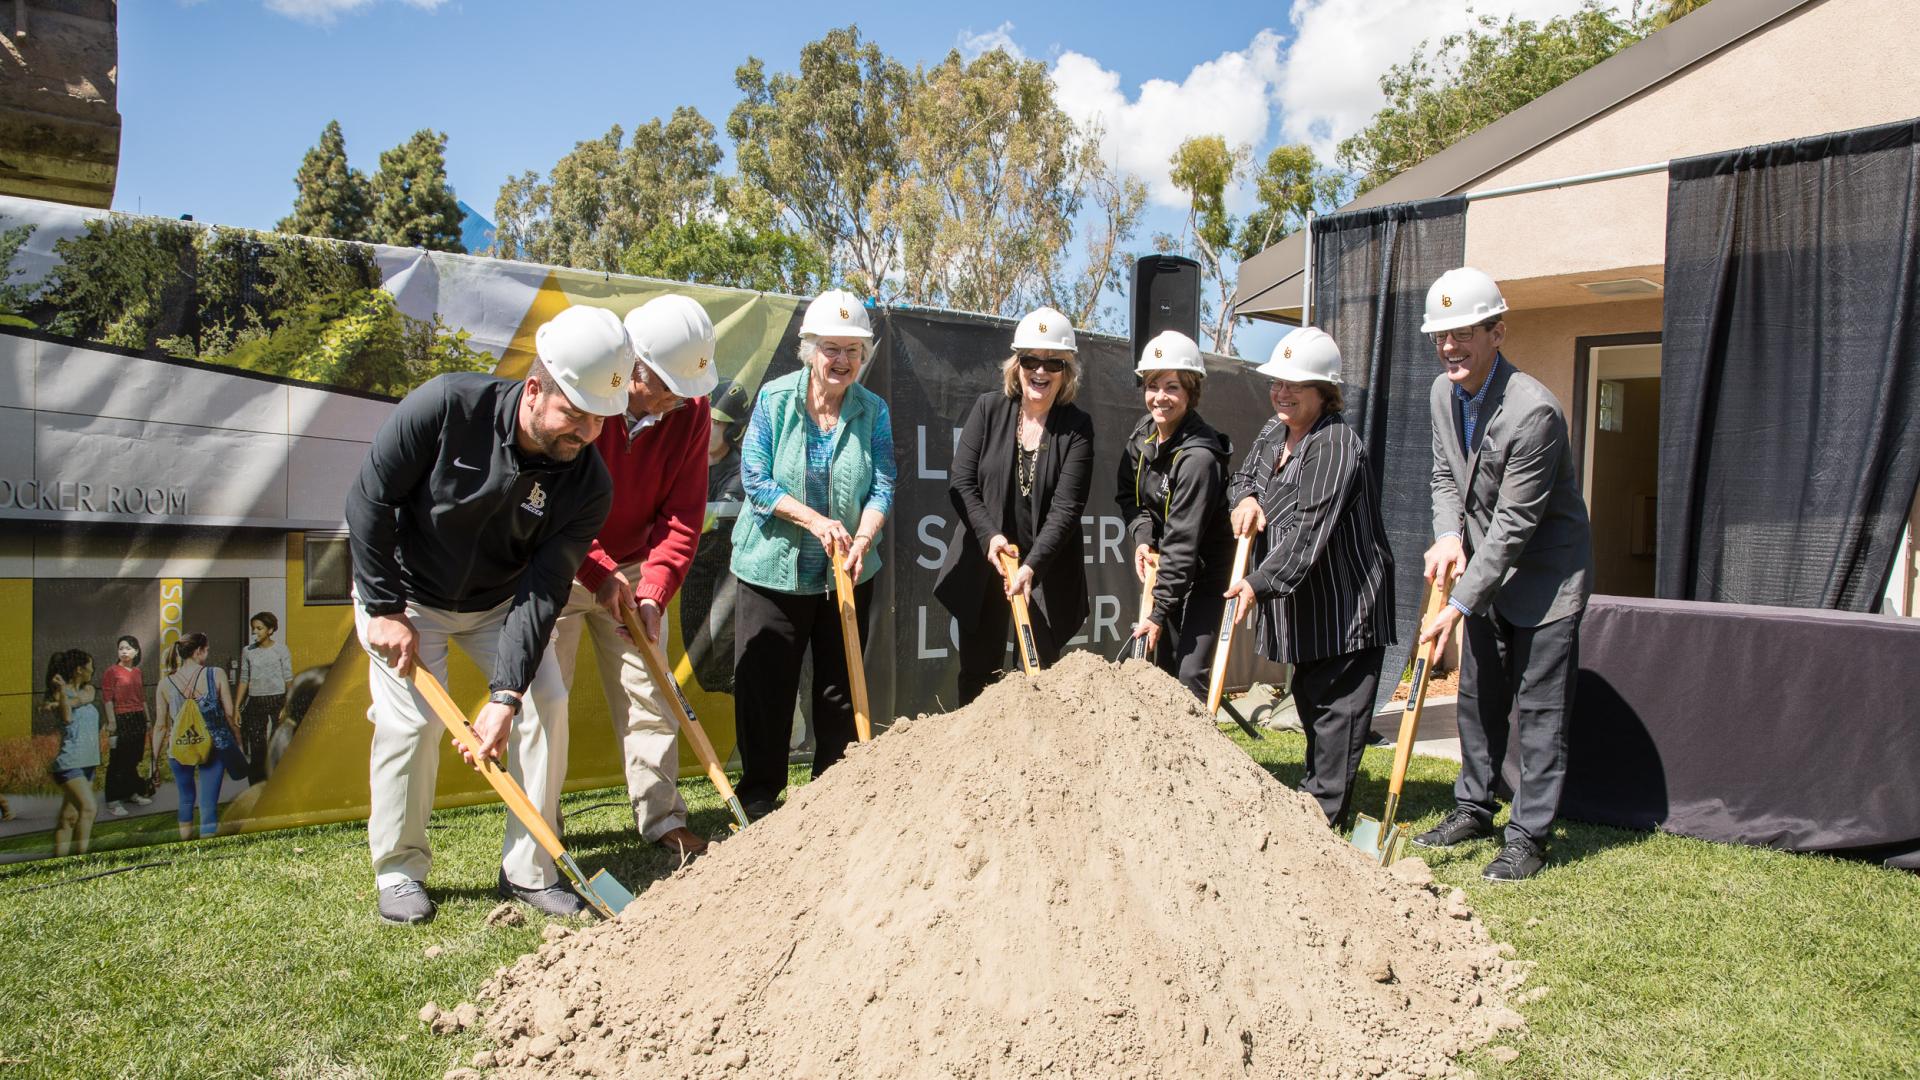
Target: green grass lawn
(261, 955)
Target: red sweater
(659, 501)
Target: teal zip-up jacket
(773, 462)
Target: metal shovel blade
(601, 892)
(1384, 846)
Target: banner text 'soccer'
(182, 408)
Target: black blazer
(982, 472)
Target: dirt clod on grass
(1082, 877)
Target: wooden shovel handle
(510, 793)
(655, 661)
(1022, 618)
(1217, 684)
(1146, 586)
(850, 635)
(1423, 661)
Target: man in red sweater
(657, 457)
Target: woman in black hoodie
(1172, 491)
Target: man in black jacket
(476, 504)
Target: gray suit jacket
(1513, 501)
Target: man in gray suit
(1510, 525)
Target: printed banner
(182, 409)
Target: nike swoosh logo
(458, 464)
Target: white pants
(646, 730)
(406, 748)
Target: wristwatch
(505, 697)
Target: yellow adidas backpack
(192, 744)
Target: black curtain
(1371, 271)
(1790, 400)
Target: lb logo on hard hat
(616, 381)
(843, 313)
(1288, 354)
(1445, 300)
(1156, 354)
(1043, 328)
(703, 364)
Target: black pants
(1516, 676)
(771, 632)
(123, 761)
(1335, 699)
(1186, 644)
(983, 650)
(256, 724)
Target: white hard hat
(673, 336)
(1044, 328)
(836, 313)
(1461, 298)
(585, 350)
(1170, 350)
(1306, 354)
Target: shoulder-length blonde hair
(1070, 382)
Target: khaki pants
(405, 761)
(646, 730)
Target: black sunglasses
(1036, 363)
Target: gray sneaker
(558, 900)
(406, 902)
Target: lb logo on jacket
(536, 503)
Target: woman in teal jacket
(817, 468)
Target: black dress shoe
(1459, 826)
(757, 810)
(1519, 860)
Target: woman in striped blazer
(1324, 579)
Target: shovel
(1217, 685)
(850, 634)
(1137, 647)
(1385, 840)
(602, 892)
(656, 663)
(1022, 619)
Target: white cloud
(1330, 84)
(1233, 95)
(972, 45)
(1317, 86)
(326, 12)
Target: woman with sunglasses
(1172, 491)
(1021, 473)
(817, 468)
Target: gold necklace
(1027, 466)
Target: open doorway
(1619, 423)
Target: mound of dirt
(1078, 878)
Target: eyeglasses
(1462, 335)
(854, 353)
(1038, 363)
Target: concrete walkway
(1438, 736)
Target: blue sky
(220, 98)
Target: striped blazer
(1325, 571)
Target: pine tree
(412, 204)
(332, 199)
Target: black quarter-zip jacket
(449, 513)
(1173, 497)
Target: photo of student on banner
(124, 690)
(196, 725)
(74, 702)
(266, 667)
